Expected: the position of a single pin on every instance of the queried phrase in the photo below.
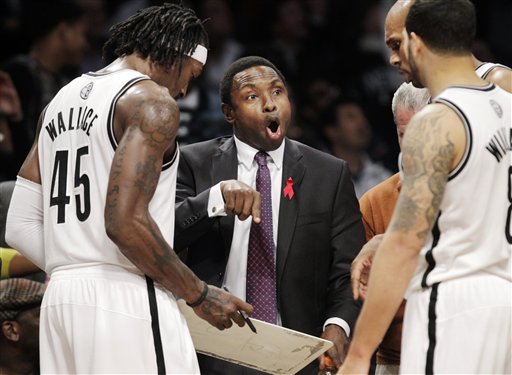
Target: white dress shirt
(235, 277)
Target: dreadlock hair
(226, 84)
(165, 34)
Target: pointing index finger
(256, 208)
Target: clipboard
(274, 349)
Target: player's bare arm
(432, 147)
(502, 77)
(148, 118)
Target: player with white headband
(200, 54)
(94, 207)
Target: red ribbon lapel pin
(288, 189)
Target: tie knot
(261, 158)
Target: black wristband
(201, 297)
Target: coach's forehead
(254, 75)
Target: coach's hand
(335, 355)
(241, 200)
(220, 308)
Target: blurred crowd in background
(332, 53)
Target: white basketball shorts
(98, 320)
(459, 326)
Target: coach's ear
(227, 110)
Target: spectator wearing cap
(20, 303)
(56, 30)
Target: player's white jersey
(484, 69)
(473, 232)
(76, 149)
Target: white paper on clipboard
(273, 349)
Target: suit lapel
(224, 167)
(288, 208)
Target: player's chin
(406, 76)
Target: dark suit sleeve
(192, 219)
(347, 234)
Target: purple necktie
(261, 266)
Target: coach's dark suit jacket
(319, 231)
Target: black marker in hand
(246, 318)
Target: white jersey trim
(168, 164)
(110, 121)
(485, 68)
(429, 256)
(469, 136)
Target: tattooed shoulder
(428, 153)
(156, 114)
(151, 119)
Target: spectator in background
(350, 135)
(13, 40)
(200, 116)
(10, 110)
(376, 82)
(224, 48)
(287, 39)
(57, 31)
(318, 95)
(96, 21)
(20, 304)
(317, 12)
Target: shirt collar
(246, 154)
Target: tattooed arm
(148, 119)
(433, 145)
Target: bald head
(400, 9)
(395, 23)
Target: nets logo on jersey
(86, 90)
(497, 108)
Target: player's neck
(476, 62)
(133, 62)
(451, 71)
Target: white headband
(200, 54)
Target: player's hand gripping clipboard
(272, 349)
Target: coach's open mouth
(273, 128)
